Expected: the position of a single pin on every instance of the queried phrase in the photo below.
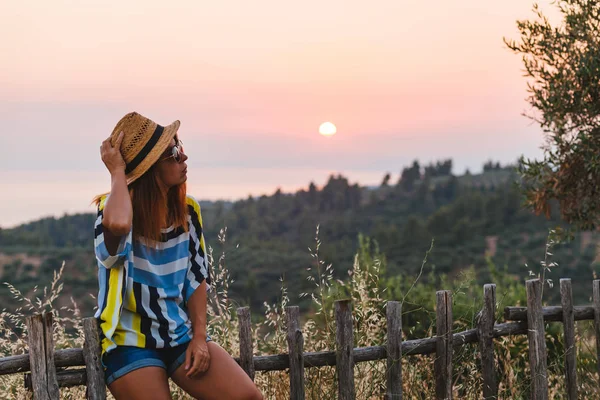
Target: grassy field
(369, 291)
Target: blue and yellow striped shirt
(143, 292)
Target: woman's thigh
(143, 383)
(224, 379)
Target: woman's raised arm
(118, 211)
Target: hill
(470, 218)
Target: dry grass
(369, 297)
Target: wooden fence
(47, 373)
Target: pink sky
(251, 82)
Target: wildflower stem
(420, 272)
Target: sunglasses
(176, 152)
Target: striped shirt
(143, 291)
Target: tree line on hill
(268, 237)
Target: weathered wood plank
(510, 328)
(596, 300)
(37, 357)
(344, 350)
(444, 344)
(551, 313)
(246, 347)
(20, 363)
(69, 358)
(41, 357)
(66, 378)
(52, 382)
(14, 364)
(537, 341)
(295, 349)
(566, 300)
(96, 388)
(486, 342)
(394, 350)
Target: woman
(153, 273)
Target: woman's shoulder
(193, 207)
(192, 203)
(100, 201)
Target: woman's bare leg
(224, 379)
(143, 383)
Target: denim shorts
(124, 359)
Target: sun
(327, 129)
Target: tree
(490, 166)
(423, 200)
(312, 194)
(562, 64)
(409, 176)
(386, 180)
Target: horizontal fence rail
(521, 321)
(552, 313)
(280, 362)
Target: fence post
(566, 300)
(344, 357)
(537, 341)
(596, 299)
(96, 388)
(246, 347)
(485, 331)
(41, 357)
(296, 353)
(394, 350)
(443, 346)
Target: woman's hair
(151, 210)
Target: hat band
(145, 150)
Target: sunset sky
(251, 82)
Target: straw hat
(143, 142)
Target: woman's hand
(111, 155)
(197, 357)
